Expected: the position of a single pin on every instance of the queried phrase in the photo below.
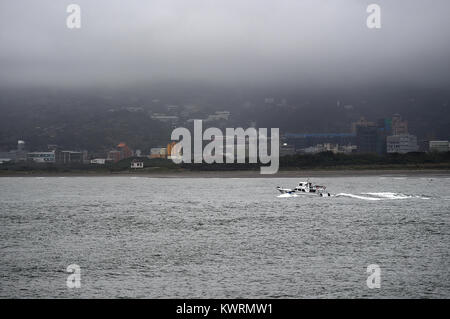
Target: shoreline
(245, 173)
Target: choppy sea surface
(150, 237)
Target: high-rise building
(20, 145)
(399, 126)
(372, 138)
(361, 122)
(384, 127)
(367, 139)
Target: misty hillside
(98, 120)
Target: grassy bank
(314, 162)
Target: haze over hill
(92, 87)
(308, 43)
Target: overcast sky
(305, 42)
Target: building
(20, 145)
(70, 157)
(372, 137)
(384, 129)
(172, 108)
(114, 156)
(4, 159)
(367, 139)
(217, 116)
(385, 124)
(17, 155)
(99, 161)
(439, 146)
(286, 149)
(362, 122)
(158, 152)
(174, 151)
(399, 126)
(327, 147)
(42, 157)
(165, 118)
(348, 149)
(301, 141)
(170, 148)
(121, 152)
(404, 143)
(136, 164)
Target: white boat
(305, 188)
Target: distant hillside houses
(164, 117)
(217, 116)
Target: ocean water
(145, 237)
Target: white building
(42, 157)
(328, 147)
(404, 143)
(137, 164)
(439, 146)
(100, 161)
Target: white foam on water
(357, 196)
(371, 196)
(287, 195)
(422, 197)
(382, 196)
(389, 195)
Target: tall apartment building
(399, 126)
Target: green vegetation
(321, 161)
(330, 160)
(122, 166)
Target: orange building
(121, 152)
(170, 147)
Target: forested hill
(98, 120)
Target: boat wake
(308, 188)
(388, 195)
(357, 196)
(381, 196)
